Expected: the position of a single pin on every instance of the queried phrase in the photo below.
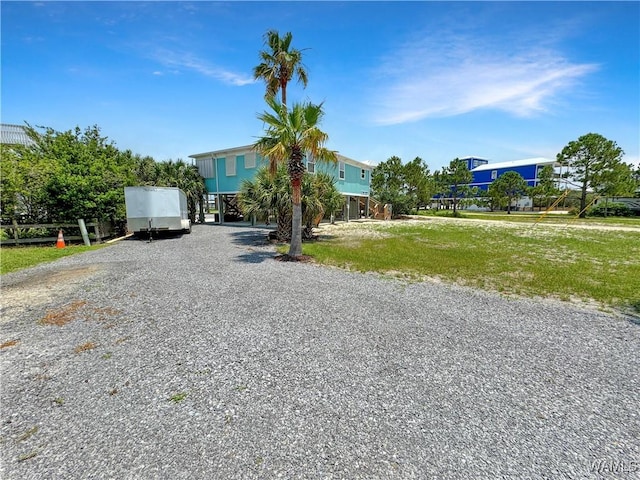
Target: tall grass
(586, 265)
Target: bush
(612, 209)
(26, 233)
(432, 212)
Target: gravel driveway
(201, 357)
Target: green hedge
(612, 209)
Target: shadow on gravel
(255, 257)
(634, 313)
(144, 237)
(252, 238)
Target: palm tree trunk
(283, 232)
(295, 248)
(296, 171)
(201, 210)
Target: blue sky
(438, 80)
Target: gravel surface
(202, 357)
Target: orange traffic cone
(60, 242)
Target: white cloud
(453, 74)
(182, 60)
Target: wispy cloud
(188, 61)
(447, 75)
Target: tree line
(63, 176)
(593, 164)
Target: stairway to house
(376, 209)
(231, 210)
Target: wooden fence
(97, 231)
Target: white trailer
(156, 209)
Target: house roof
(14, 135)
(515, 163)
(223, 152)
(249, 148)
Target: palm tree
(331, 199)
(311, 201)
(145, 169)
(187, 178)
(279, 64)
(289, 136)
(267, 194)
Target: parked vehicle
(156, 209)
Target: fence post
(83, 232)
(15, 230)
(96, 228)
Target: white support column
(220, 208)
(348, 206)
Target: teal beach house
(224, 170)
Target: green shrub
(26, 233)
(612, 209)
(432, 212)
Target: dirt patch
(289, 258)
(64, 315)
(40, 288)
(10, 343)
(85, 347)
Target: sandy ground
(36, 288)
(352, 226)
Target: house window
(494, 174)
(250, 160)
(230, 165)
(362, 174)
(311, 166)
(341, 174)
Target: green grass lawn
(17, 258)
(534, 217)
(565, 263)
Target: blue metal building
(484, 173)
(529, 169)
(473, 162)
